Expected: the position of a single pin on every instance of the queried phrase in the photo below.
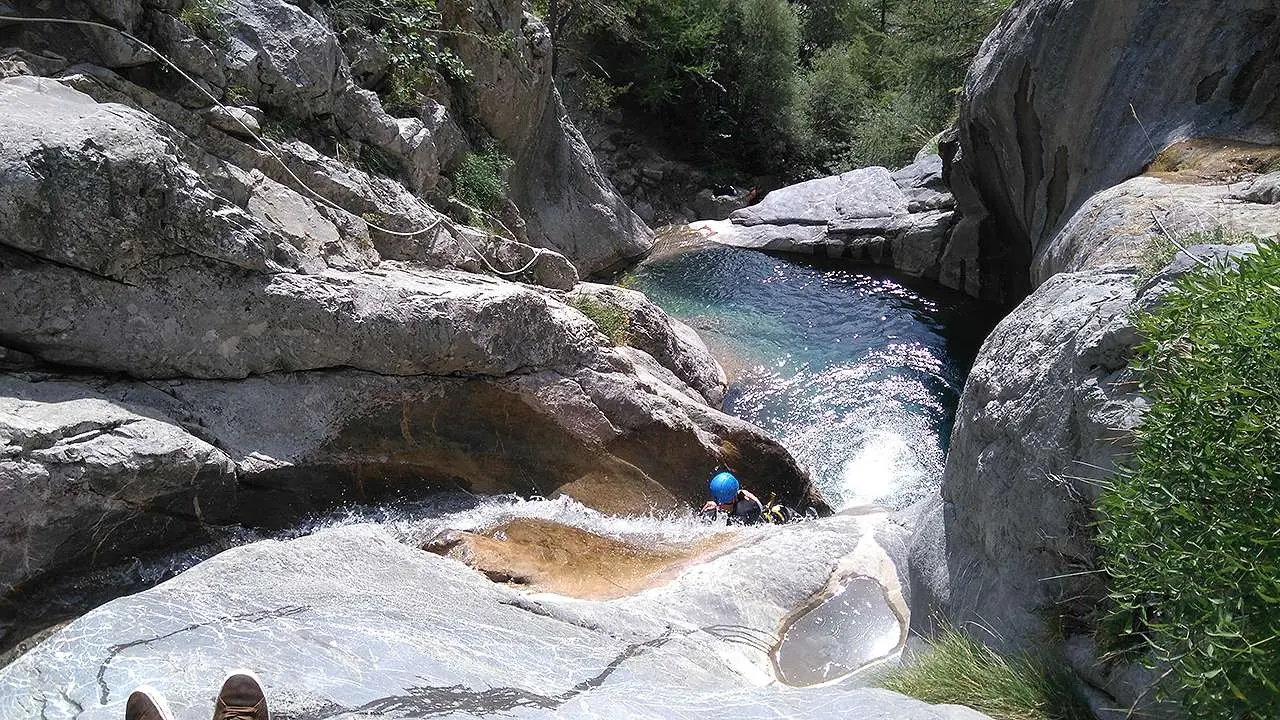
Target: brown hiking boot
(241, 698)
(146, 703)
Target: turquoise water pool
(856, 371)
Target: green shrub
(409, 31)
(481, 180)
(1189, 531)
(202, 17)
(612, 320)
(959, 670)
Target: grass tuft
(202, 17)
(613, 321)
(957, 669)
(1188, 529)
(481, 179)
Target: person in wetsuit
(739, 506)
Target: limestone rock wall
(256, 330)
(567, 203)
(1049, 115)
(1065, 106)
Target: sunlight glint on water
(857, 373)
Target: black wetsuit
(745, 511)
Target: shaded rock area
(351, 622)
(869, 216)
(1066, 99)
(1264, 190)
(85, 477)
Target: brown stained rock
(566, 560)
(1214, 161)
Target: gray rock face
(1049, 119)
(394, 320)
(1263, 190)
(566, 202)
(350, 622)
(86, 478)
(1123, 225)
(901, 220)
(1045, 411)
(138, 240)
(865, 193)
(283, 57)
(115, 183)
(673, 344)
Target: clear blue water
(856, 371)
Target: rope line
(537, 252)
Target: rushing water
(856, 371)
(411, 522)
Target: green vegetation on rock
(613, 321)
(202, 17)
(1189, 531)
(409, 31)
(957, 669)
(481, 181)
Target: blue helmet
(724, 488)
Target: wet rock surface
(546, 556)
(351, 623)
(85, 478)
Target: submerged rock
(547, 556)
(351, 622)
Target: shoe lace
(230, 712)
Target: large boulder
(351, 622)
(566, 202)
(901, 220)
(90, 479)
(1044, 414)
(1067, 98)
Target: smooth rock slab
(396, 320)
(862, 193)
(349, 623)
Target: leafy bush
(481, 179)
(959, 670)
(1189, 531)
(409, 31)
(613, 321)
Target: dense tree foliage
(771, 86)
